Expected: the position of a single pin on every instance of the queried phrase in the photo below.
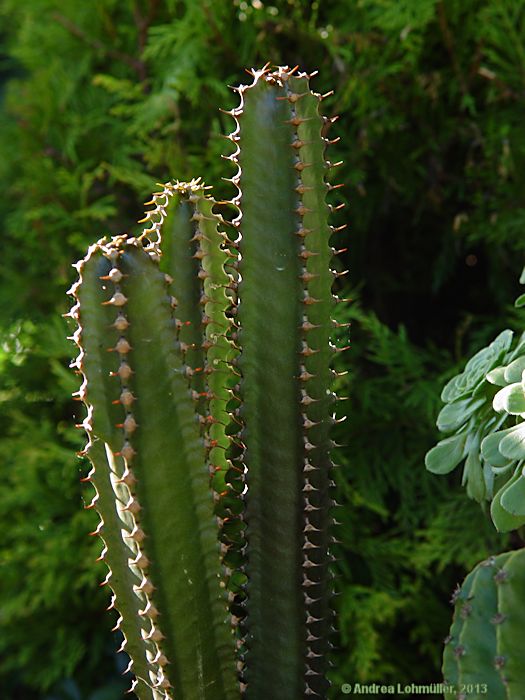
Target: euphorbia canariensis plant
(206, 359)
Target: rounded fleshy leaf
(453, 415)
(510, 399)
(447, 454)
(502, 519)
(490, 448)
(512, 444)
(513, 497)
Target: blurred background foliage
(99, 101)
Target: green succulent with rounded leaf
(483, 418)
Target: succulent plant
(484, 413)
(482, 657)
(205, 354)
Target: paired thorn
(301, 165)
(293, 97)
(297, 121)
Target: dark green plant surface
(284, 321)
(151, 476)
(480, 656)
(104, 99)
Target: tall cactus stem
(188, 235)
(131, 359)
(284, 252)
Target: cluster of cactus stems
(482, 657)
(205, 353)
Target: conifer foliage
(98, 102)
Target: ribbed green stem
(118, 551)
(158, 435)
(193, 254)
(317, 399)
(178, 260)
(482, 656)
(283, 228)
(477, 646)
(94, 335)
(219, 350)
(450, 655)
(511, 632)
